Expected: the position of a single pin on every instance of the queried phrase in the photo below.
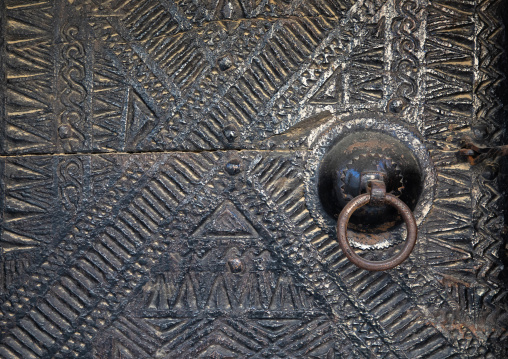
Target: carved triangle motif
(225, 222)
(140, 121)
(217, 351)
(331, 91)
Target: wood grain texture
(155, 163)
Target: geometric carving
(170, 254)
(13, 241)
(140, 250)
(139, 123)
(226, 221)
(173, 308)
(28, 67)
(331, 91)
(366, 72)
(29, 202)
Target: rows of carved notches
(226, 300)
(488, 123)
(77, 291)
(78, 122)
(136, 76)
(464, 252)
(77, 288)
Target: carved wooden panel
(158, 178)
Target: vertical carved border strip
(445, 112)
(445, 115)
(487, 127)
(405, 57)
(74, 77)
(26, 73)
(405, 45)
(72, 92)
(30, 198)
(488, 48)
(453, 68)
(2, 210)
(3, 75)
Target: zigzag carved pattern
(115, 248)
(489, 50)
(269, 55)
(488, 215)
(449, 61)
(184, 317)
(447, 112)
(30, 205)
(456, 101)
(152, 18)
(29, 201)
(28, 69)
(391, 306)
(221, 338)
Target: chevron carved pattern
(155, 161)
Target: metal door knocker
(370, 184)
(377, 196)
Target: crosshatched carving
(154, 178)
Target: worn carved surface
(158, 178)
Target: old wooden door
(160, 176)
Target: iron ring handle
(409, 219)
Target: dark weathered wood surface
(158, 166)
